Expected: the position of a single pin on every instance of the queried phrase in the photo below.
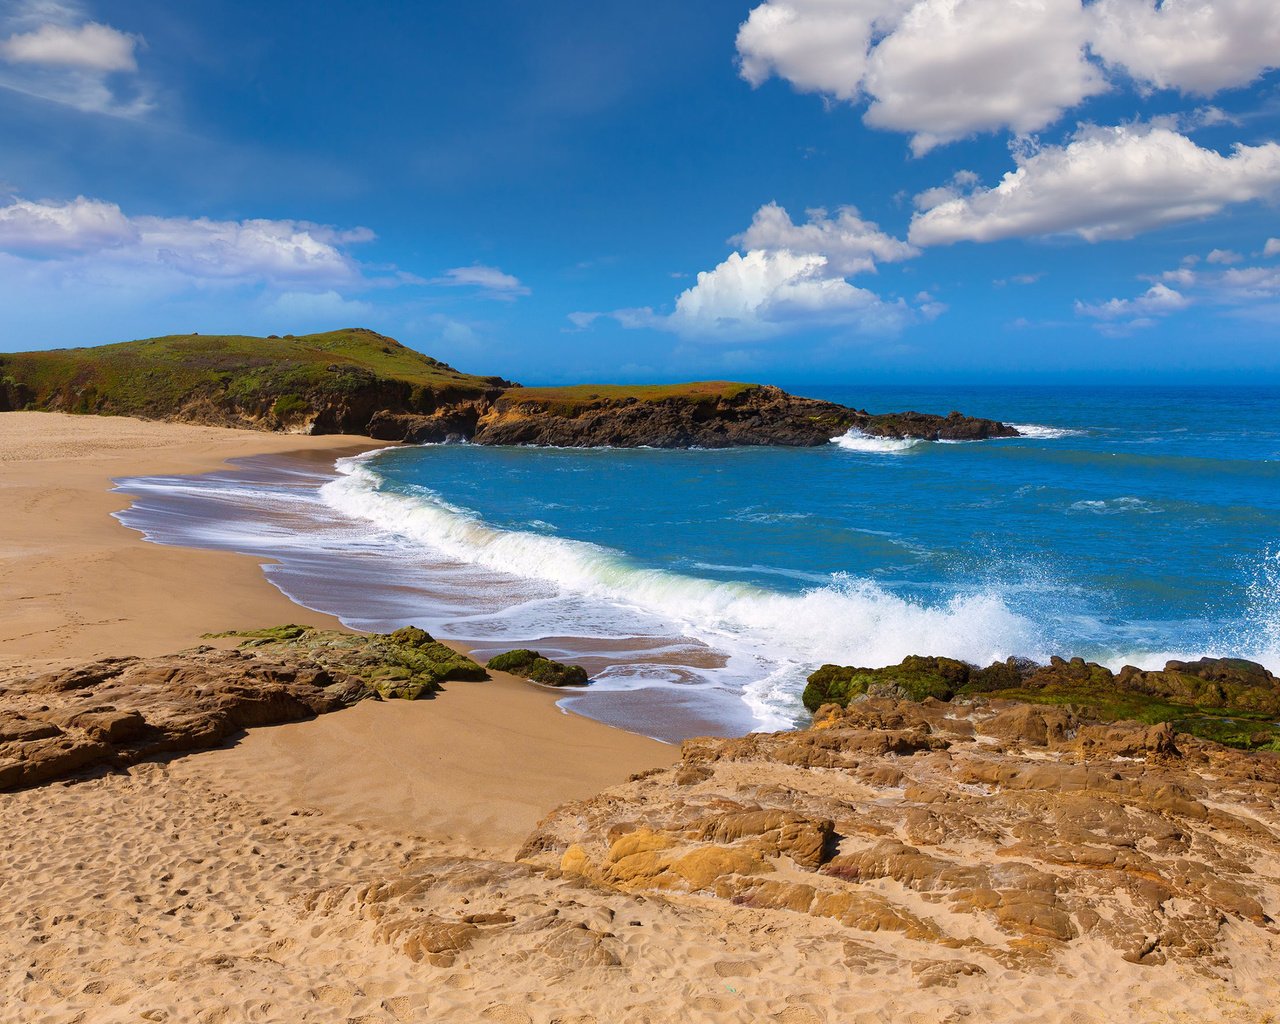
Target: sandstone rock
(1009, 850)
(119, 711)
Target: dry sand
(277, 879)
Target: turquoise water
(1133, 525)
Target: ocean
(1129, 526)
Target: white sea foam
(1115, 506)
(854, 440)
(1041, 432)
(772, 636)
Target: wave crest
(854, 440)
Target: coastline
(76, 585)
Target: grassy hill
(338, 379)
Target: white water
(772, 639)
(854, 440)
(1036, 430)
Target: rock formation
(532, 665)
(1229, 700)
(991, 834)
(120, 711)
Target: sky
(842, 191)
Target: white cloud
(1158, 300)
(1272, 248)
(850, 244)
(1195, 46)
(77, 226)
(789, 277)
(941, 70)
(1118, 318)
(1105, 183)
(53, 50)
(764, 293)
(1244, 284)
(90, 46)
(938, 69)
(92, 241)
(491, 280)
(955, 67)
(817, 45)
(1223, 257)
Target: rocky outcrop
(734, 415)
(120, 711)
(532, 665)
(994, 833)
(1228, 700)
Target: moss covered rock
(916, 678)
(532, 665)
(1228, 700)
(404, 665)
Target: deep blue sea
(1131, 525)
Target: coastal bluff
(357, 381)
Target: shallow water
(1130, 525)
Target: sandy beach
(375, 864)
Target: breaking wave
(854, 440)
(781, 635)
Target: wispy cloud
(490, 281)
(55, 50)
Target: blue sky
(791, 190)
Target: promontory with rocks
(360, 382)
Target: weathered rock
(904, 820)
(122, 710)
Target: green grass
(158, 377)
(572, 400)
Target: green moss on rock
(1227, 700)
(405, 665)
(532, 665)
(916, 678)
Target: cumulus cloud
(956, 67)
(1272, 248)
(1105, 183)
(489, 280)
(53, 50)
(763, 294)
(1191, 45)
(941, 70)
(817, 45)
(1224, 257)
(850, 244)
(789, 277)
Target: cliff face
(357, 381)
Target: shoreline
(76, 585)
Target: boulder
(532, 665)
